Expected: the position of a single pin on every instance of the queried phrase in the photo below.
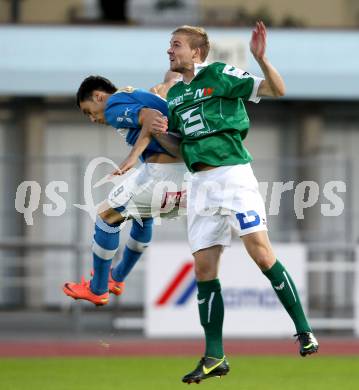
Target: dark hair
(93, 83)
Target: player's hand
(117, 172)
(153, 121)
(125, 166)
(159, 125)
(259, 41)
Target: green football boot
(308, 343)
(207, 367)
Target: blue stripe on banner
(187, 293)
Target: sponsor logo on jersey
(176, 101)
(203, 92)
(200, 93)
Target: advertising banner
(252, 308)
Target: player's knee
(204, 272)
(263, 256)
(111, 216)
(207, 263)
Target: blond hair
(197, 39)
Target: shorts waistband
(164, 164)
(215, 171)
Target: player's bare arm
(169, 81)
(273, 84)
(146, 118)
(170, 142)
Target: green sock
(211, 313)
(287, 293)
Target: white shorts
(221, 200)
(152, 190)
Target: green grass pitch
(147, 373)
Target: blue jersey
(122, 111)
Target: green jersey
(210, 115)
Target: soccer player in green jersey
(207, 109)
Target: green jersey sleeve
(238, 83)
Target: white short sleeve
(254, 95)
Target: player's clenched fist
(159, 125)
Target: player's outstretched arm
(141, 144)
(146, 118)
(273, 84)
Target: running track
(143, 347)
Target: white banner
(251, 307)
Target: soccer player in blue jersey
(155, 189)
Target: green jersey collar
(198, 67)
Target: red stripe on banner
(170, 289)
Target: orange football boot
(82, 291)
(114, 287)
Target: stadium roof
(52, 61)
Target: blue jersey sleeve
(124, 115)
(123, 108)
(122, 112)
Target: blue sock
(105, 244)
(140, 236)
